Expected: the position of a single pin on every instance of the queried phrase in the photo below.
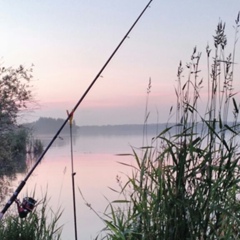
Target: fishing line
(23, 182)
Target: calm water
(96, 166)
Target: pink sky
(69, 41)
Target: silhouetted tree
(15, 93)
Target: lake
(96, 164)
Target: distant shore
(51, 126)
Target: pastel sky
(69, 41)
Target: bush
(13, 151)
(37, 147)
(19, 140)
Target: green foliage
(37, 147)
(35, 226)
(19, 140)
(186, 186)
(13, 151)
(14, 94)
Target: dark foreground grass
(185, 185)
(41, 224)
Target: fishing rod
(23, 182)
(73, 174)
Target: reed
(41, 224)
(186, 186)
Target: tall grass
(186, 187)
(41, 224)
